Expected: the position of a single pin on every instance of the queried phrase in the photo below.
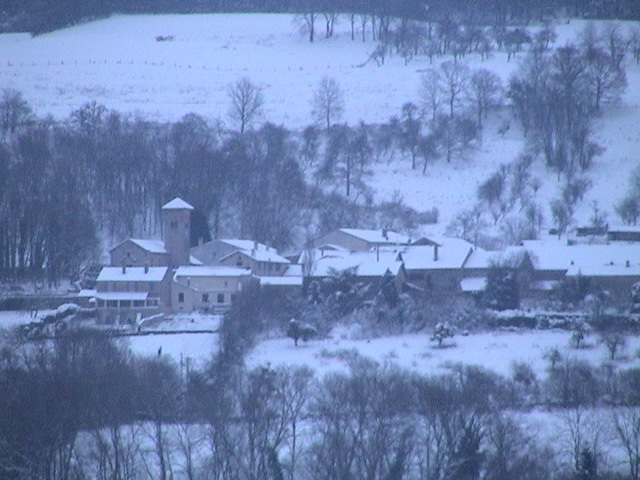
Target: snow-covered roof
(364, 264)
(242, 244)
(122, 295)
(557, 255)
(260, 256)
(451, 254)
(473, 284)
(132, 274)
(606, 270)
(177, 204)
(152, 246)
(377, 237)
(479, 259)
(331, 247)
(283, 281)
(483, 259)
(87, 293)
(210, 271)
(194, 261)
(293, 270)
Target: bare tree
(247, 101)
(14, 111)
(485, 89)
(455, 76)
(307, 17)
(431, 92)
(328, 102)
(626, 421)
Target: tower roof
(177, 204)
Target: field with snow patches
(118, 62)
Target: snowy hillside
(119, 63)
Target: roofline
(247, 253)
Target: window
(112, 303)
(205, 298)
(221, 298)
(138, 303)
(181, 298)
(125, 303)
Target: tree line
(38, 17)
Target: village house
(211, 288)
(126, 294)
(262, 260)
(134, 252)
(480, 261)
(436, 265)
(367, 267)
(552, 259)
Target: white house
(207, 287)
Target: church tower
(176, 218)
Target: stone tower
(176, 219)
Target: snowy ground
(496, 351)
(118, 62)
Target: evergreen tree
(502, 288)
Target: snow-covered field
(118, 62)
(496, 351)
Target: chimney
(378, 253)
(124, 268)
(435, 253)
(627, 263)
(146, 267)
(385, 234)
(255, 245)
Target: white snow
(153, 246)
(132, 274)
(177, 204)
(496, 351)
(211, 271)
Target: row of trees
(38, 17)
(83, 407)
